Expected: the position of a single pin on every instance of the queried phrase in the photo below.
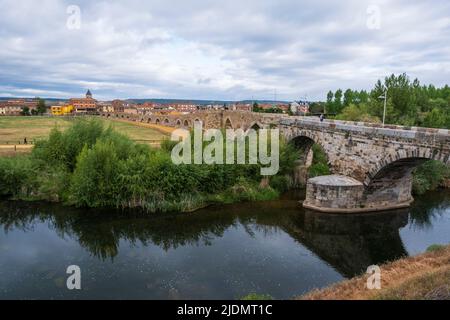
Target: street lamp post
(385, 105)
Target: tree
(329, 104)
(338, 101)
(409, 103)
(362, 97)
(317, 107)
(399, 90)
(355, 112)
(436, 118)
(25, 111)
(349, 97)
(41, 108)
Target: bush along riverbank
(89, 165)
(430, 176)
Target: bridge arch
(178, 123)
(405, 159)
(149, 120)
(186, 123)
(198, 121)
(256, 126)
(390, 180)
(166, 121)
(228, 124)
(303, 142)
(157, 121)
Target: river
(221, 252)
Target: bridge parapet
(422, 136)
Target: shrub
(429, 176)
(167, 145)
(52, 184)
(16, 176)
(319, 165)
(280, 183)
(317, 170)
(435, 247)
(244, 190)
(65, 147)
(94, 180)
(257, 297)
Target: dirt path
(7, 150)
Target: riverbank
(426, 276)
(90, 164)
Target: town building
(241, 107)
(87, 105)
(118, 105)
(300, 107)
(130, 108)
(184, 107)
(61, 110)
(14, 107)
(104, 106)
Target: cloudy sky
(209, 49)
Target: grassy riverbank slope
(426, 276)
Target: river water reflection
(224, 252)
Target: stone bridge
(372, 164)
(209, 119)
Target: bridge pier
(342, 194)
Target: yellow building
(61, 110)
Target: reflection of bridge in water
(351, 243)
(348, 243)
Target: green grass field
(13, 131)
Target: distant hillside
(199, 102)
(164, 101)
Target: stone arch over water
(304, 143)
(228, 124)
(390, 180)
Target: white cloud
(204, 49)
